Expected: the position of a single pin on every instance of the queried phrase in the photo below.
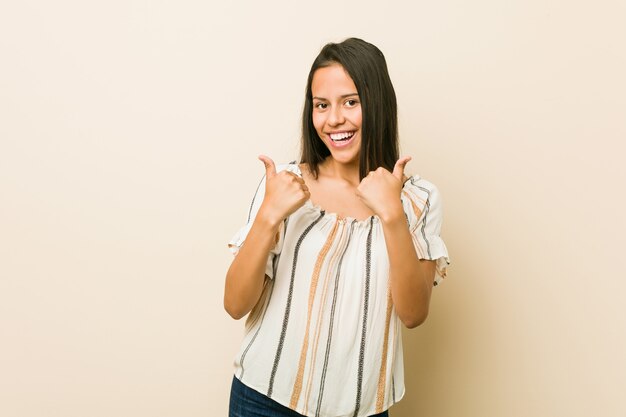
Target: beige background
(129, 132)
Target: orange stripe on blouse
(331, 268)
(416, 210)
(297, 388)
(382, 376)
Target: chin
(344, 156)
(345, 159)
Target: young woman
(337, 253)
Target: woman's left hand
(380, 190)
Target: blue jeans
(246, 402)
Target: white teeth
(341, 136)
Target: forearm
(411, 278)
(246, 275)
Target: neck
(343, 172)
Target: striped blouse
(324, 339)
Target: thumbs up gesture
(285, 192)
(380, 190)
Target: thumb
(270, 167)
(398, 169)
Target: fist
(285, 192)
(380, 190)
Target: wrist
(268, 219)
(393, 215)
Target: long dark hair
(366, 65)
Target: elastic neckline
(317, 209)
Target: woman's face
(337, 113)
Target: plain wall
(129, 132)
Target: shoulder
(420, 186)
(290, 166)
(419, 198)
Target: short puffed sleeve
(239, 238)
(422, 205)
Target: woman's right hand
(285, 192)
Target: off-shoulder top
(324, 339)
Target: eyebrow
(343, 96)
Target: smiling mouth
(341, 137)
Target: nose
(336, 116)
